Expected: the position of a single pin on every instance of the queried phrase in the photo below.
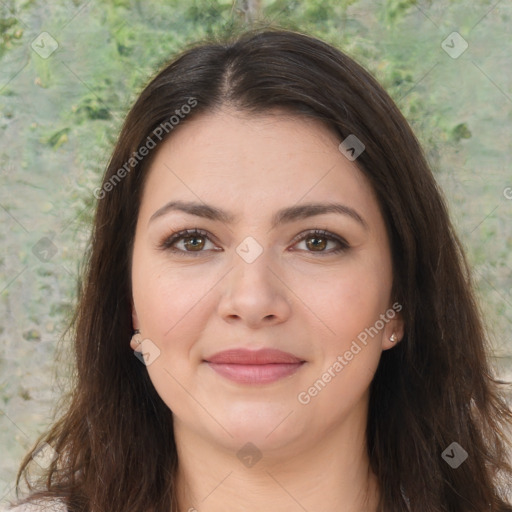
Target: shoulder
(38, 506)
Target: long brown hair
(115, 439)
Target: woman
(271, 245)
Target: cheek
(173, 306)
(169, 298)
(348, 359)
(348, 299)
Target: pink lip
(254, 366)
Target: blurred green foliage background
(60, 115)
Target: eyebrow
(286, 215)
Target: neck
(333, 474)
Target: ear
(135, 325)
(135, 320)
(395, 325)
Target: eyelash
(168, 242)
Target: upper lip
(246, 356)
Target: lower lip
(255, 373)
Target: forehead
(245, 164)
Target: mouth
(254, 366)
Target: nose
(254, 293)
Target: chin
(268, 426)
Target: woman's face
(256, 277)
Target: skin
(295, 297)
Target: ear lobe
(394, 332)
(135, 341)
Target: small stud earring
(393, 338)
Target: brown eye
(193, 241)
(318, 240)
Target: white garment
(39, 506)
